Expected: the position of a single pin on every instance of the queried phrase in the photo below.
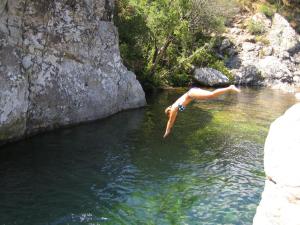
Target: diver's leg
(198, 93)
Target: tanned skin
(192, 94)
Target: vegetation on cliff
(162, 41)
(290, 9)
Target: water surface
(121, 171)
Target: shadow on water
(59, 170)
(121, 171)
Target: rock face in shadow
(280, 203)
(60, 64)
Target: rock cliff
(60, 64)
(280, 203)
(269, 56)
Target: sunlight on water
(120, 171)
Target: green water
(120, 171)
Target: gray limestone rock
(282, 36)
(210, 77)
(225, 44)
(274, 70)
(274, 58)
(248, 76)
(60, 64)
(280, 204)
(13, 95)
(262, 19)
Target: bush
(161, 40)
(263, 39)
(219, 65)
(255, 28)
(179, 79)
(267, 10)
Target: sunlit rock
(273, 69)
(280, 203)
(210, 77)
(249, 76)
(262, 19)
(282, 36)
(275, 54)
(60, 64)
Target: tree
(163, 32)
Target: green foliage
(159, 39)
(179, 79)
(205, 57)
(246, 4)
(133, 35)
(267, 9)
(220, 66)
(263, 39)
(255, 27)
(290, 9)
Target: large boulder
(13, 95)
(249, 76)
(60, 64)
(210, 77)
(280, 203)
(282, 36)
(274, 70)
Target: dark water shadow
(58, 171)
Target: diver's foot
(234, 88)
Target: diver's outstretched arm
(172, 118)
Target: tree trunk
(157, 57)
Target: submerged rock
(60, 64)
(210, 77)
(280, 203)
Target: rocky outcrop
(280, 203)
(270, 58)
(282, 36)
(60, 64)
(210, 77)
(249, 75)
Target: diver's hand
(166, 134)
(234, 88)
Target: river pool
(120, 170)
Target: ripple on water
(120, 170)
